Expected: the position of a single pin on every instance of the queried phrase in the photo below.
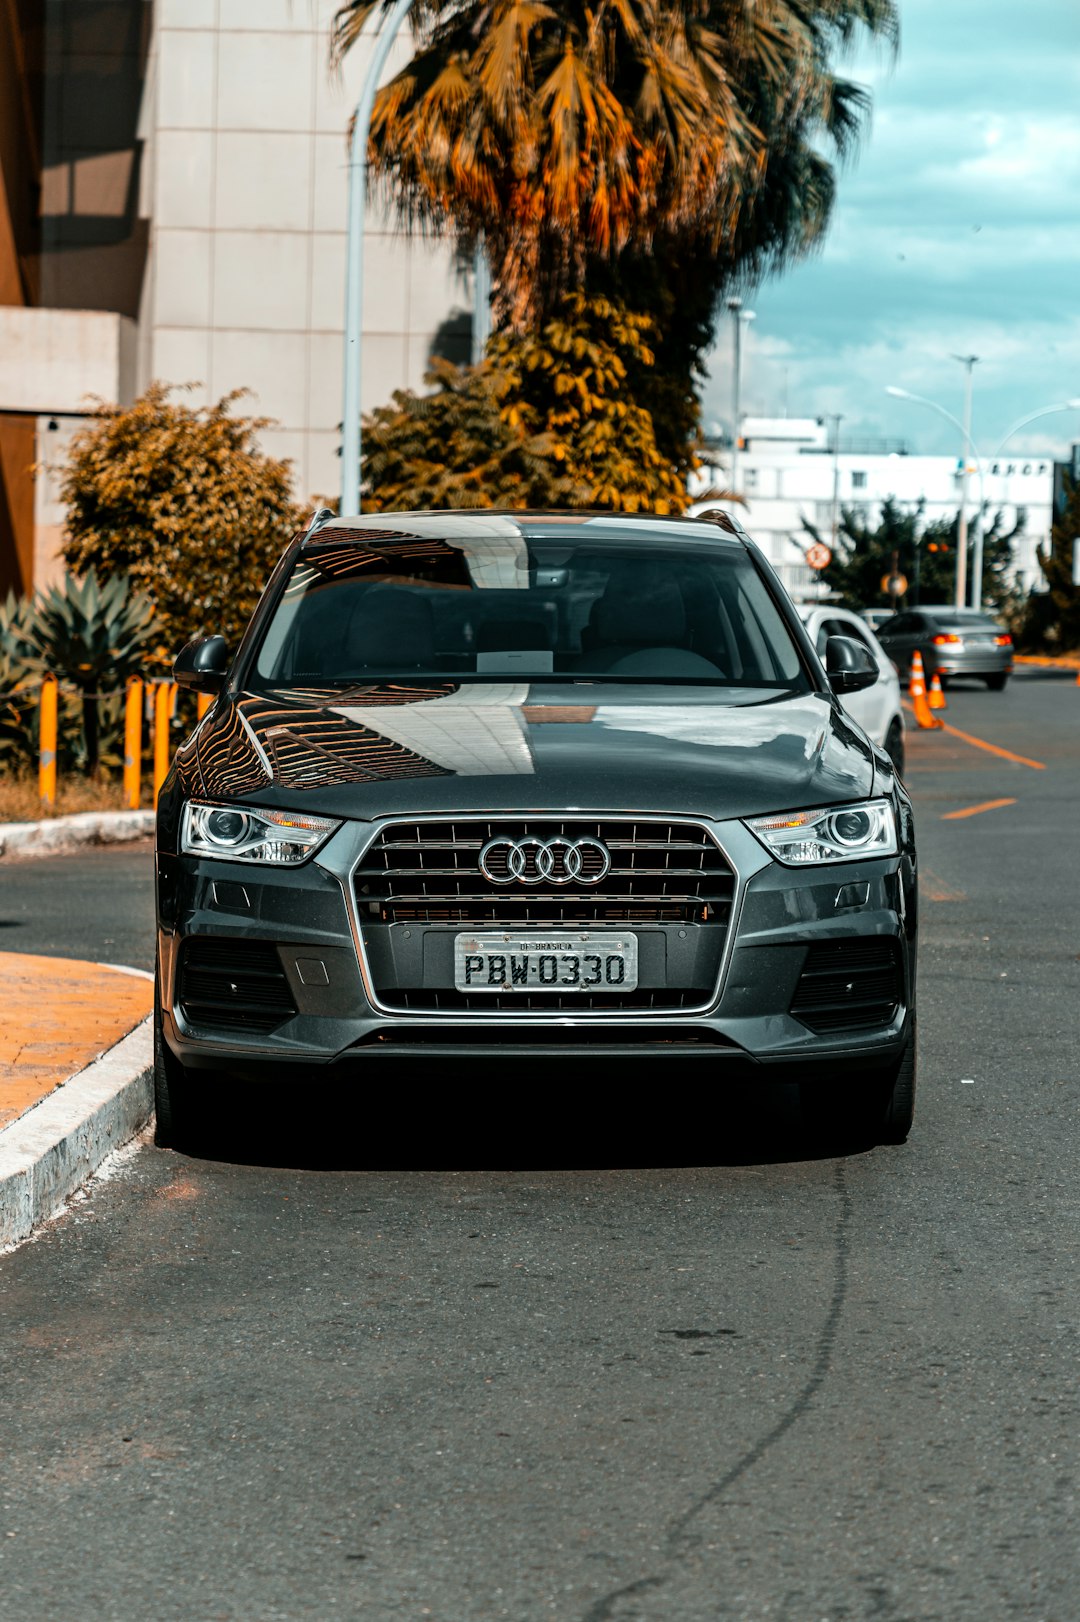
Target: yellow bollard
(47, 744)
(203, 703)
(133, 743)
(163, 700)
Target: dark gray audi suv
(571, 786)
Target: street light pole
(354, 261)
(1044, 411)
(836, 419)
(735, 306)
(968, 363)
(921, 399)
(739, 318)
(481, 325)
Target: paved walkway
(56, 1016)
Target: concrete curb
(60, 834)
(52, 1150)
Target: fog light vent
(234, 984)
(849, 984)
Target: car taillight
(1003, 641)
(946, 636)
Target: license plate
(583, 961)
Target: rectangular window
(858, 480)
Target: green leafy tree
(655, 151)
(546, 420)
(183, 501)
(453, 448)
(925, 554)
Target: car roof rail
(723, 520)
(321, 516)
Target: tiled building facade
(182, 169)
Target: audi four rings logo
(540, 861)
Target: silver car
(953, 642)
(876, 709)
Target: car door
(897, 637)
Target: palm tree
(573, 135)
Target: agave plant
(94, 636)
(18, 700)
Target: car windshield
(363, 606)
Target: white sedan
(877, 708)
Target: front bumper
(307, 919)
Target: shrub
(549, 419)
(183, 501)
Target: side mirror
(849, 665)
(201, 666)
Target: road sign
(894, 584)
(818, 555)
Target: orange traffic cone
(936, 696)
(924, 716)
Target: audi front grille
(670, 876)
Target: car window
(898, 626)
(367, 607)
(857, 633)
(968, 622)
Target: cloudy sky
(957, 230)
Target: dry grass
(19, 797)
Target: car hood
(398, 750)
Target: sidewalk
(71, 1087)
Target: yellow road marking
(934, 888)
(995, 749)
(992, 748)
(973, 810)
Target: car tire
(897, 1105)
(878, 1109)
(894, 746)
(996, 684)
(172, 1088)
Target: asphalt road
(288, 1380)
(97, 905)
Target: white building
(788, 471)
(192, 163)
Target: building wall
(53, 363)
(786, 472)
(21, 52)
(94, 236)
(183, 164)
(16, 504)
(246, 133)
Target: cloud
(957, 231)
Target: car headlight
(839, 833)
(238, 834)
